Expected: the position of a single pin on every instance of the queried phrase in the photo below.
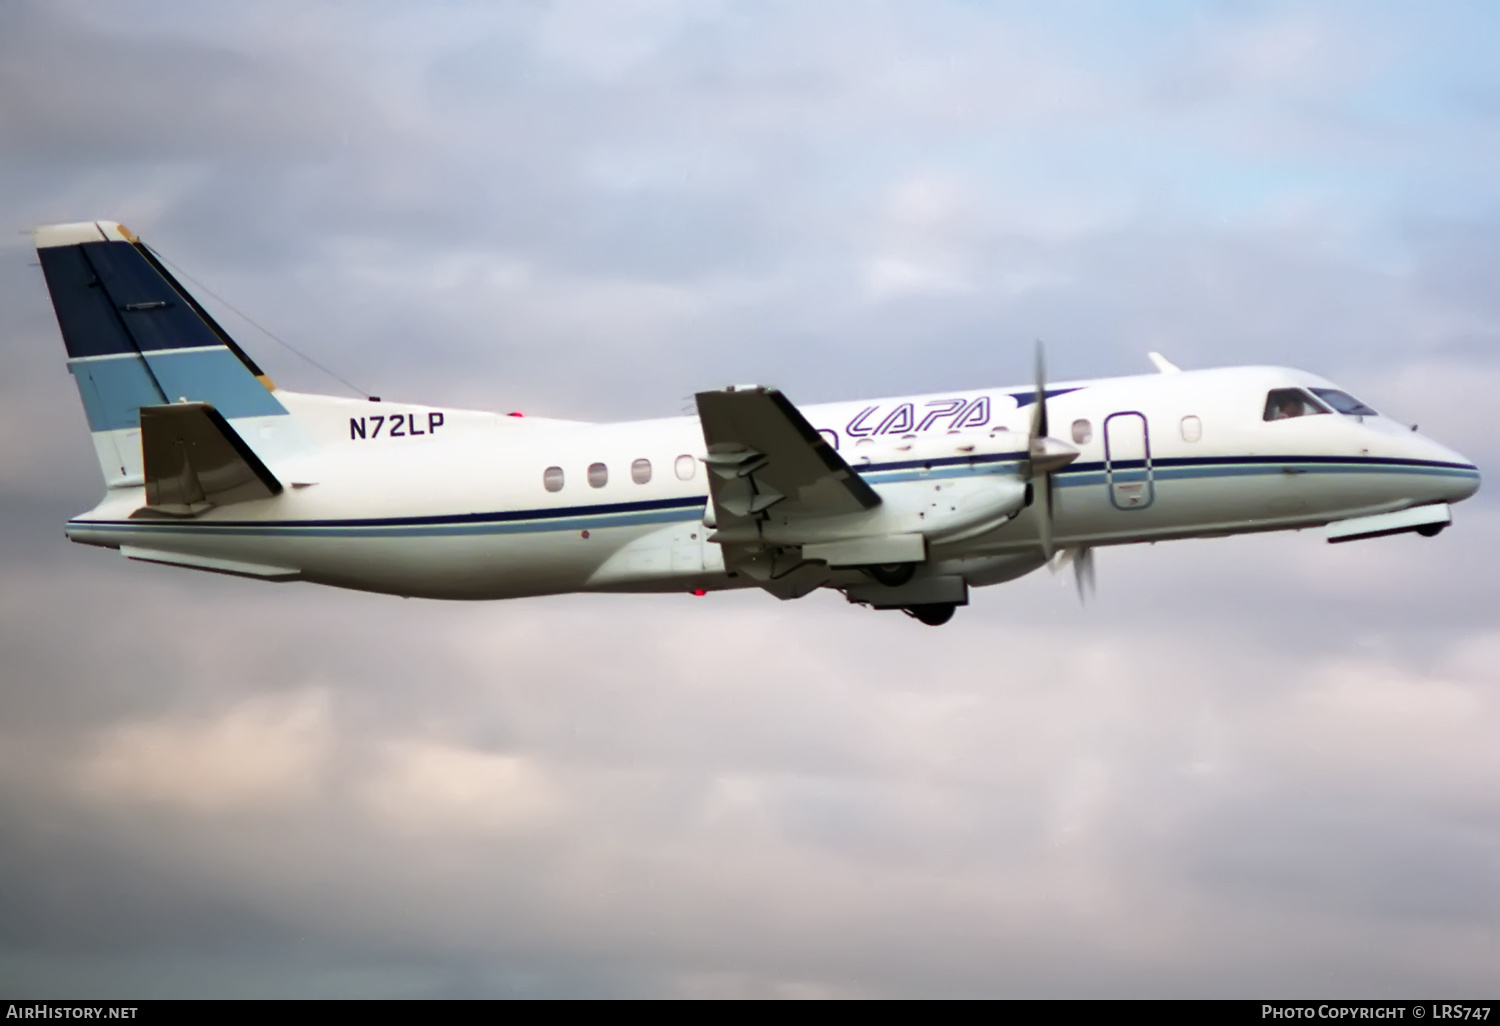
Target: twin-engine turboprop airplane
(902, 503)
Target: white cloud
(888, 277)
(263, 752)
(425, 786)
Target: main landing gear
(897, 575)
(892, 575)
(933, 615)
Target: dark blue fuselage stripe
(670, 510)
(1196, 461)
(441, 520)
(1171, 461)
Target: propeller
(1082, 559)
(1046, 455)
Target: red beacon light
(515, 413)
(699, 592)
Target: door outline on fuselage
(1122, 482)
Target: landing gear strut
(933, 615)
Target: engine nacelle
(911, 514)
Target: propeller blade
(1044, 515)
(1083, 573)
(1036, 446)
(1039, 414)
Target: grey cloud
(1018, 805)
(74, 92)
(1252, 765)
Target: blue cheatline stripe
(1368, 461)
(661, 511)
(1093, 474)
(115, 388)
(361, 529)
(1020, 455)
(562, 518)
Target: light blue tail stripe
(115, 388)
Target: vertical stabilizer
(135, 338)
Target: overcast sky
(1253, 767)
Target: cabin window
(1343, 402)
(686, 467)
(598, 475)
(1286, 403)
(1083, 431)
(552, 479)
(640, 471)
(1192, 429)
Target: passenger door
(1127, 460)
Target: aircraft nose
(1457, 478)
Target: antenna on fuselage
(1162, 364)
(260, 327)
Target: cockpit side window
(1285, 403)
(1343, 402)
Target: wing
(762, 452)
(194, 461)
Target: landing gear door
(1127, 461)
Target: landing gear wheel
(892, 575)
(934, 615)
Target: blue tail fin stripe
(139, 339)
(115, 297)
(119, 388)
(89, 322)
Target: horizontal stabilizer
(1428, 520)
(194, 461)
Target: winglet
(1163, 364)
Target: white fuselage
(452, 503)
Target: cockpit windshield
(1285, 403)
(1343, 402)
